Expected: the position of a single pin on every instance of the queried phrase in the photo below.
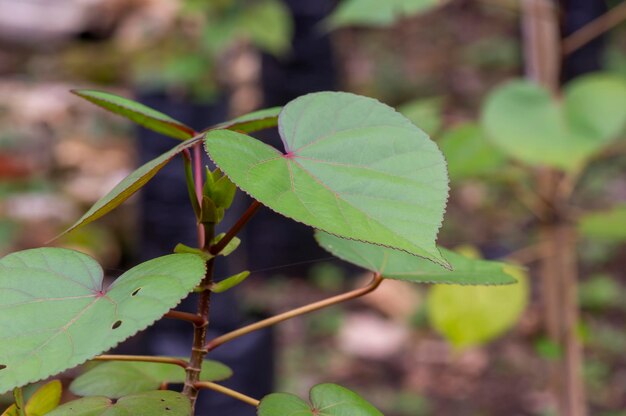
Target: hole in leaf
(116, 324)
(135, 292)
(2, 366)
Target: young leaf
(607, 225)
(117, 379)
(230, 247)
(469, 316)
(529, 125)
(139, 113)
(229, 282)
(249, 123)
(353, 167)
(56, 313)
(152, 403)
(326, 400)
(395, 264)
(128, 186)
(45, 399)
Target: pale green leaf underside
(326, 400)
(609, 225)
(353, 167)
(527, 123)
(470, 316)
(395, 264)
(153, 403)
(55, 313)
(117, 379)
(128, 186)
(251, 122)
(138, 113)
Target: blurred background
(204, 61)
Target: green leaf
(128, 186)
(353, 167)
(229, 282)
(249, 123)
(376, 13)
(596, 104)
(529, 125)
(56, 313)
(424, 113)
(605, 225)
(469, 316)
(224, 192)
(268, 25)
(117, 379)
(469, 153)
(395, 264)
(138, 113)
(153, 403)
(231, 246)
(326, 400)
(45, 399)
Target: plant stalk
(225, 390)
(216, 342)
(205, 235)
(557, 267)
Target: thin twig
(216, 342)
(197, 320)
(142, 358)
(594, 29)
(225, 390)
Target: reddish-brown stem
(234, 230)
(143, 359)
(216, 342)
(205, 235)
(197, 320)
(197, 172)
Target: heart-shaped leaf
(128, 186)
(326, 400)
(353, 167)
(251, 122)
(138, 113)
(395, 264)
(153, 403)
(469, 316)
(55, 312)
(117, 379)
(527, 123)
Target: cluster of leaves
(372, 183)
